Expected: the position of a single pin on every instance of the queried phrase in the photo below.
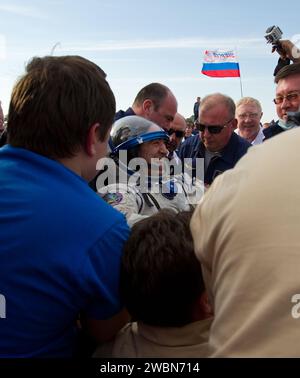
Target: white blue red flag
(218, 63)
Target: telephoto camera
(273, 34)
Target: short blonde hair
(249, 100)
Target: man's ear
(202, 308)
(92, 140)
(206, 306)
(147, 106)
(234, 124)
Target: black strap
(148, 202)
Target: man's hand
(287, 50)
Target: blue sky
(137, 42)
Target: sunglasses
(178, 133)
(213, 129)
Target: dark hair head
(161, 278)
(56, 102)
(292, 69)
(155, 92)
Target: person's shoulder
(99, 211)
(123, 113)
(272, 130)
(236, 147)
(120, 114)
(123, 344)
(189, 145)
(242, 143)
(191, 141)
(105, 202)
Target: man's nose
(167, 125)
(163, 148)
(285, 103)
(172, 137)
(247, 118)
(206, 132)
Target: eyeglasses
(249, 115)
(178, 133)
(212, 129)
(293, 96)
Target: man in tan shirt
(247, 238)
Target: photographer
(287, 100)
(286, 49)
(288, 52)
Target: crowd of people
(151, 234)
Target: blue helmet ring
(131, 131)
(143, 138)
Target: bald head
(176, 132)
(179, 122)
(211, 101)
(157, 103)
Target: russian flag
(219, 63)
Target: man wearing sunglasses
(216, 143)
(176, 134)
(287, 100)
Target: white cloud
(176, 43)
(2, 47)
(25, 11)
(175, 79)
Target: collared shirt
(140, 340)
(272, 130)
(194, 148)
(121, 114)
(257, 140)
(61, 249)
(174, 156)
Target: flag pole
(241, 87)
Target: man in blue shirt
(216, 143)
(60, 244)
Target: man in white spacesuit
(138, 181)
